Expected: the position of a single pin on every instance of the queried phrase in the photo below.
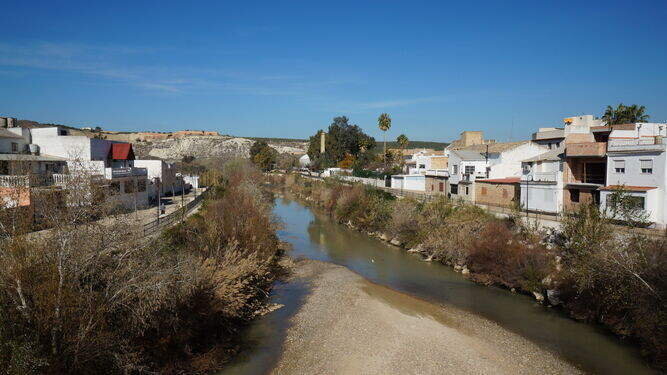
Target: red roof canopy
(122, 151)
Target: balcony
(110, 173)
(33, 180)
(437, 172)
(637, 144)
(540, 177)
(586, 149)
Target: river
(315, 236)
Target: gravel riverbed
(348, 325)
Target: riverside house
(109, 163)
(636, 164)
(488, 161)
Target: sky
(286, 68)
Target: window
(619, 166)
(141, 185)
(483, 191)
(432, 187)
(456, 168)
(454, 189)
(15, 147)
(442, 186)
(115, 188)
(129, 186)
(574, 195)
(422, 166)
(470, 169)
(646, 166)
(467, 191)
(637, 202)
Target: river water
(315, 236)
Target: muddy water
(315, 236)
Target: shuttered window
(646, 166)
(619, 166)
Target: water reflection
(315, 236)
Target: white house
(542, 182)
(161, 175)
(109, 160)
(489, 161)
(636, 164)
(431, 161)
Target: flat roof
(29, 157)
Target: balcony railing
(586, 149)
(644, 144)
(540, 176)
(592, 179)
(33, 180)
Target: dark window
(115, 188)
(646, 166)
(422, 166)
(470, 169)
(574, 195)
(442, 187)
(15, 147)
(467, 191)
(129, 186)
(454, 189)
(141, 185)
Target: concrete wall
(541, 197)
(495, 194)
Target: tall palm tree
(384, 123)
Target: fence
(180, 214)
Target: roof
(4, 133)
(466, 154)
(495, 147)
(29, 157)
(551, 155)
(507, 180)
(122, 151)
(628, 188)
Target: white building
(487, 161)
(422, 162)
(636, 164)
(109, 160)
(542, 182)
(161, 175)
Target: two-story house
(108, 162)
(637, 165)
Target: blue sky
(285, 68)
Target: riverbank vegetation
(96, 297)
(587, 268)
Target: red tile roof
(628, 188)
(122, 151)
(508, 180)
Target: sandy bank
(348, 325)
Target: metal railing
(180, 214)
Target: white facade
(169, 182)
(415, 182)
(637, 162)
(542, 186)
(508, 163)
